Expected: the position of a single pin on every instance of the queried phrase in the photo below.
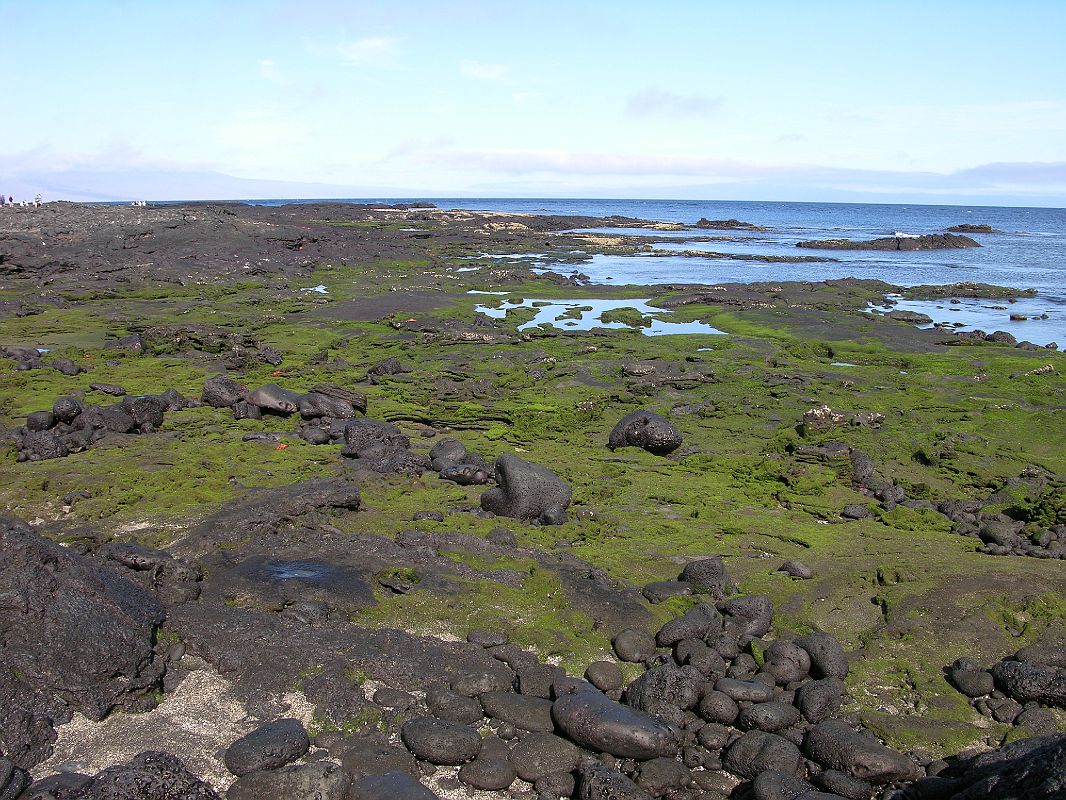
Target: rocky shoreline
(285, 517)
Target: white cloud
(480, 71)
(663, 103)
(374, 51)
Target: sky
(959, 102)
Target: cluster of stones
(998, 337)
(999, 533)
(27, 358)
(1020, 690)
(704, 716)
(1002, 535)
(72, 425)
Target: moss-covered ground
(905, 594)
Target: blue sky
(886, 101)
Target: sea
(1027, 250)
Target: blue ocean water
(1027, 250)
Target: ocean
(1026, 251)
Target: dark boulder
(448, 453)
(540, 754)
(1025, 681)
(769, 717)
(148, 776)
(819, 700)
(465, 474)
(526, 491)
(708, 576)
(361, 756)
(61, 786)
(598, 723)
(320, 781)
(41, 446)
(40, 421)
(604, 675)
(13, 781)
(744, 691)
(66, 366)
(453, 707)
(634, 645)
(488, 774)
(390, 786)
(525, 712)
(797, 569)
(646, 430)
(834, 745)
(385, 368)
(356, 400)
(145, 411)
(221, 391)
(698, 622)
(966, 676)
(752, 614)
(666, 691)
(786, 662)
(267, 747)
(65, 409)
(597, 781)
(72, 630)
(828, 659)
(662, 777)
(758, 751)
(774, 785)
(718, 707)
(440, 742)
(1030, 769)
(314, 405)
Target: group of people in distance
(10, 201)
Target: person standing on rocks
(37, 200)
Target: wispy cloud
(480, 71)
(662, 103)
(373, 51)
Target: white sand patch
(196, 722)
